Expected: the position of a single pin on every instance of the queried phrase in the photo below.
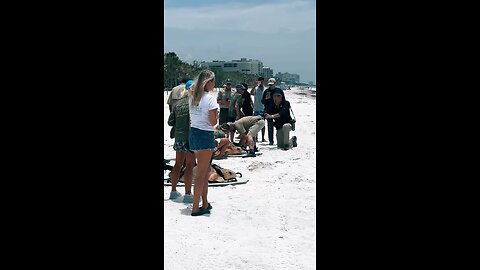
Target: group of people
(268, 103)
(194, 114)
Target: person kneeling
(280, 113)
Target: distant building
(288, 78)
(267, 73)
(310, 83)
(243, 65)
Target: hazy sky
(280, 33)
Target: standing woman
(203, 118)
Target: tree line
(175, 70)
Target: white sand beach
(267, 223)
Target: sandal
(201, 212)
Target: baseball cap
(225, 126)
(271, 81)
(240, 86)
(188, 84)
(228, 81)
(277, 92)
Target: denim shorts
(255, 113)
(201, 139)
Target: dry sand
(268, 223)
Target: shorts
(201, 139)
(253, 131)
(181, 147)
(255, 113)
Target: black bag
(293, 120)
(172, 133)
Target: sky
(280, 33)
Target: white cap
(271, 81)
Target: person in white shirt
(203, 109)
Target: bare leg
(250, 142)
(189, 172)
(243, 140)
(205, 188)
(223, 145)
(179, 157)
(203, 166)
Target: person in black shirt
(247, 103)
(267, 100)
(279, 113)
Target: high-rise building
(250, 66)
(288, 78)
(267, 73)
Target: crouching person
(280, 113)
(248, 127)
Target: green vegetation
(174, 70)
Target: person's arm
(237, 107)
(213, 116)
(212, 111)
(219, 98)
(169, 101)
(240, 105)
(171, 119)
(284, 111)
(254, 87)
(270, 111)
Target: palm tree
(171, 64)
